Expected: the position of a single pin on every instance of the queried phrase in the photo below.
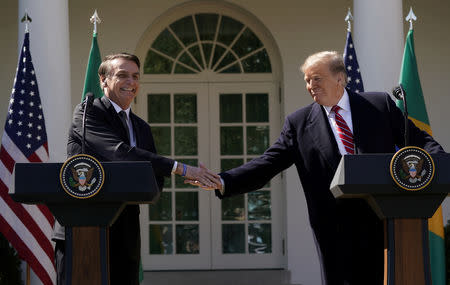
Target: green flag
(91, 81)
(409, 78)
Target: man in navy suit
(112, 138)
(348, 235)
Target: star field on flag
(355, 82)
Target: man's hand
(203, 186)
(202, 177)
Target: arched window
(207, 41)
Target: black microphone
(89, 98)
(400, 94)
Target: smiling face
(121, 84)
(325, 87)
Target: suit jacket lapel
(361, 135)
(116, 122)
(322, 135)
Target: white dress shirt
(346, 113)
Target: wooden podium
(405, 212)
(86, 220)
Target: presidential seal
(412, 168)
(82, 176)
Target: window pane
(247, 43)
(229, 58)
(259, 238)
(179, 181)
(187, 239)
(257, 107)
(184, 29)
(157, 64)
(167, 44)
(207, 49)
(206, 25)
(257, 139)
(233, 238)
(231, 141)
(158, 108)
(162, 210)
(160, 239)
(227, 164)
(185, 108)
(218, 51)
(195, 51)
(186, 206)
(259, 205)
(162, 137)
(258, 62)
(168, 182)
(187, 59)
(235, 68)
(186, 141)
(179, 69)
(233, 208)
(229, 28)
(230, 108)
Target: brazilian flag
(91, 81)
(409, 78)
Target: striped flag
(27, 227)
(409, 78)
(354, 79)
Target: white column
(49, 45)
(379, 41)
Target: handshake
(199, 176)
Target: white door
(222, 125)
(247, 230)
(176, 231)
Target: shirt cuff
(174, 167)
(222, 191)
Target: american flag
(27, 227)
(355, 82)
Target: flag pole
(348, 19)
(27, 19)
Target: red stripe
(7, 160)
(46, 212)
(46, 146)
(24, 252)
(34, 158)
(345, 137)
(22, 214)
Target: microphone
(400, 94)
(87, 104)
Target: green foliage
(10, 272)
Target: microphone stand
(89, 98)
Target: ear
(103, 81)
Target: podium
(405, 213)
(87, 256)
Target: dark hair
(105, 66)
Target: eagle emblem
(412, 168)
(82, 176)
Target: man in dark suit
(112, 138)
(348, 235)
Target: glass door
(176, 230)
(247, 230)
